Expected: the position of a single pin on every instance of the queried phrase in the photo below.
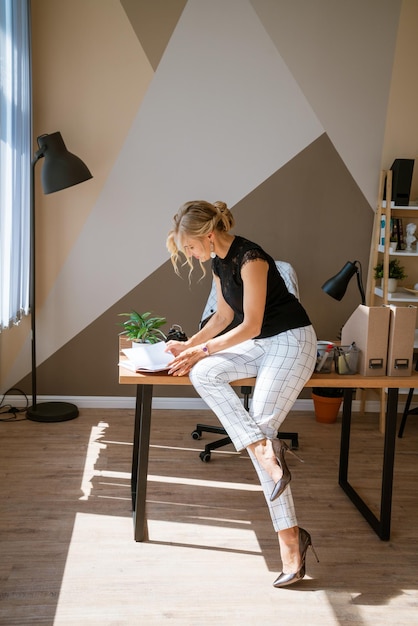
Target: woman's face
(197, 248)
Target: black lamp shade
(337, 285)
(61, 169)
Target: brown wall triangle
(153, 23)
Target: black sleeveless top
(283, 310)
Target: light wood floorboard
(67, 555)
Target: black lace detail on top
(283, 310)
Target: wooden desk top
(332, 379)
(356, 381)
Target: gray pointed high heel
(280, 448)
(305, 541)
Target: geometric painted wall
(274, 107)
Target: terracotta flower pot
(327, 406)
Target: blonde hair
(195, 220)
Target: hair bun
(221, 206)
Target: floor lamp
(60, 170)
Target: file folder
(368, 327)
(401, 340)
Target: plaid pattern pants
(282, 365)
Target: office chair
(289, 276)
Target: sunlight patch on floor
(203, 483)
(154, 578)
(94, 448)
(97, 443)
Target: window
(15, 160)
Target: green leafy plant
(143, 328)
(396, 270)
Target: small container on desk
(325, 358)
(346, 359)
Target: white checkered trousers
(282, 365)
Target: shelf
(407, 207)
(398, 252)
(398, 296)
(385, 212)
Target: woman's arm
(220, 320)
(254, 277)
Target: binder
(401, 340)
(368, 327)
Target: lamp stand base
(52, 412)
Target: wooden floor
(67, 554)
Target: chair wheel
(205, 456)
(196, 435)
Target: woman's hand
(175, 347)
(184, 362)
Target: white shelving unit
(398, 252)
(379, 294)
(398, 296)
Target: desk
(144, 390)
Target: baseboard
(184, 404)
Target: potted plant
(393, 244)
(396, 272)
(143, 328)
(327, 402)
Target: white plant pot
(392, 285)
(143, 346)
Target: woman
(271, 338)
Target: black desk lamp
(61, 169)
(337, 285)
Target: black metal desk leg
(345, 436)
(137, 428)
(406, 411)
(140, 459)
(380, 526)
(388, 463)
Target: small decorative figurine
(410, 236)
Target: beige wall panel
(13, 342)
(153, 23)
(313, 214)
(341, 55)
(89, 77)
